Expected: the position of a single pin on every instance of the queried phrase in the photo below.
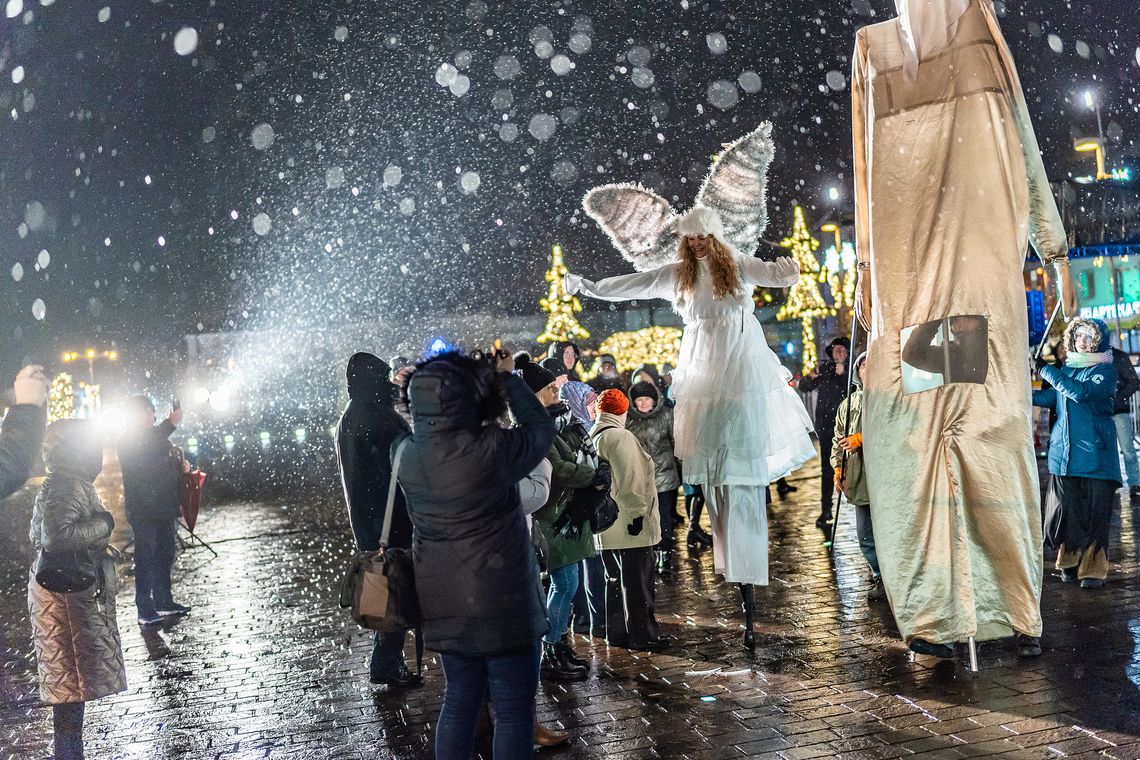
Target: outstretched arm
(656, 283)
(781, 273)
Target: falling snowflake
(262, 136)
(262, 223)
(186, 40)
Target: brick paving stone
(267, 665)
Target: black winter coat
(21, 439)
(364, 439)
(150, 473)
(831, 388)
(476, 573)
(1127, 383)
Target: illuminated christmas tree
(561, 324)
(649, 345)
(805, 302)
(61, 398)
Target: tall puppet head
(644, 227)
(926, 26)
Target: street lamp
(833, 228)
(1093, 145)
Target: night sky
(405, 158)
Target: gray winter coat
(654, 431)
(76, 636)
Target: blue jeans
(512, 680)
(156, 545)
(563, 586)
(387, 654)
(866, 536)
(1127, 447)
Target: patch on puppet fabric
(948, 350)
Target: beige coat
(949, 187)
(634, 485)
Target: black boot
(749, 602)
(555, 667)
(664, 561)
(697, 538)
(783, 488)
(824, 516)
(566, 650)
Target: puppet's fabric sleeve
(859, 133)
(656, 283)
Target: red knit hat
(613, 401)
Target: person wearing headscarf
(364, 437)
(627, 545)
(588, 609)
(940, 235)
(738, 425)
(1084, 464)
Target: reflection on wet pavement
(267, 665)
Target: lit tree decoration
(649, 345)
(61, 398)
(840, 270)
(561, 324)
(805, 302)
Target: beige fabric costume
(948, 186)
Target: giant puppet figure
(737, 425)
(949, 185)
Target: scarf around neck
(1081, 361)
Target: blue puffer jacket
(1083, 441)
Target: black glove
(1038, 363)
(635, 527)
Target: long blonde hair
(722, 267)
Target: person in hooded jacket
(607, 374)
(76, 636)
(829, 380)
(1084, 464)
(574, 465)
(364, 439)
(851, 477)
(651, 421)
(475, 570)
(569, 354)
(23, 430)
(627, 545)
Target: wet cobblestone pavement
(267, 665)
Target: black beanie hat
(535, 376)
(555, 365)
(642, 390)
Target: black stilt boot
(749, 615)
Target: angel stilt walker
(949, 187)
(738, 425)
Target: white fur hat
(701, 220)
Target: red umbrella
(190, 497)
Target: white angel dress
(738, 425)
